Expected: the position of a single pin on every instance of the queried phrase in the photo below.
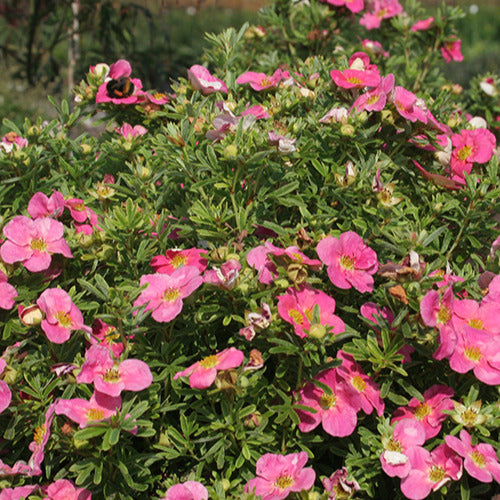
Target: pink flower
(61, 315)
(430, 471)
(375, 100)
(423, 24)
(256, 321)
(112, 377)
(374, 47)
(118, 87)
(350, 263)
(260, 81)
(201, 79)
(480, 461)
(40, 439)
(165, 292)
(452, 51)
(380, 9)
(225, 275)
(11, 140)
(429, 412)
(5, 393)
(354, 78)
(83, 412)
(106, 335)
(257, 111)
(40, 205)
(80, 212)
(176, 258)
(203, 373)
(62, 489)
(407, 433)
(408, 105)
(353, 5)
(7, 292)
(17, 493)
(335, 410)
(339, 484)
(33, 242)
(189, 490)
(297, 308)
(284, 145)
(258, 259)
(280, 475)
(128, 132)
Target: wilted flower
(201, 79)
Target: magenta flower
(61, 315)
(176, 258)
(83, 412)
(112, 377)
(7, 292)
(354, 78)
(40, 205)
(33, 242)
(407, 433)
(480, 461)
(40, 439)
(260, 81)
(62, 489)
(118, 87)
(280, 475)
(129, 133)
(423, 24)
(375, 99)
(189, 490)
(201, 79)
(335, 410)
(350, 263)
(429, 412)
(5, 394)
(452, 50)
(81, 214)
(353, 5)
(408, 105)
(430, 471)
(107, 335)
(203, 373)
(297, 308)
(165, 292)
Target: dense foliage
(303, 233)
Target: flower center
(38, 244)
(296, 316)
(327, 401)
(111, 375)
(478, 458)
(64, 319)
(421, 411)
(265, 82)
(171, 294)
(393, 445)
(209, 361)
(473, 353)
(95, 414)
(297, 257)
(444, 315)
(39, 433)
(469, 416)
(347, 262)
(436, 474)
(373, 99)
(354, 80)
(178, 261)
(476, 323)
(284, 482)
(358, 383)
(464, 152)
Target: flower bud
(231, 152)
(347, 129)
(317, 331)
(31, 315)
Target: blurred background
(46, 46)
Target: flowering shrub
(281, 280)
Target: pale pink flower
(406, 434)
(203, 373)
(423, 24)
(118, 87)
(261, 81)
(33, 242)
(336, 410)
(61, 315)
(11, 140)
(339, 484)
(430, 411)
(350, 263)
(374, 47)
(354, 78)
(364, 391)
(111, 377)
(430, 471)
(225, 275)
(284, 145)
(201, 79)
(5, 393)
(7, 292)
(280, 475)
(83, 412)
(452, 50)
(165, 292)
(189, 490)
(480, 460)
(129, 133)
(297, 308)
(177, 257)
(256, 321)
(353, 5)
(224, 123)
(63, 489)
(336, 115)
(40, 205)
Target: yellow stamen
(284, 482)
(444, 315)
(464, 152)
(476, 323)
(94, 414)
(296, 316)
(111, 375)
(473, 353)
(39, 433)
(358, 383)
(171, 294)
(209, 361)
(421, 411)
(64, 319)
(347, 262)
(478, 458)
(38, 244)
(327, 401)
(393, 445)
(436, 474)
(178, 261)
